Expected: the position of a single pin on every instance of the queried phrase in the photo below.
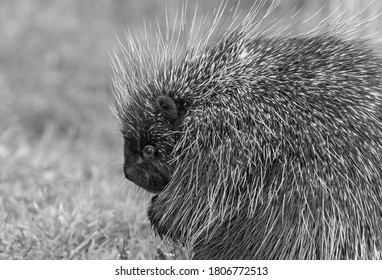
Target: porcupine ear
(167, 107)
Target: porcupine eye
(148, 151)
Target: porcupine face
(148, 142)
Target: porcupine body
(257, 146)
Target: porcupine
(257, 146)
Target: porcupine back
(278, 147)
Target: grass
(62, 192)
(61, 200)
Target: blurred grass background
(62, 192)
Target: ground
(62, 191)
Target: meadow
(62, 190)
(62, 193)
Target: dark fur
(268, 148)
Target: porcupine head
(245, 146)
